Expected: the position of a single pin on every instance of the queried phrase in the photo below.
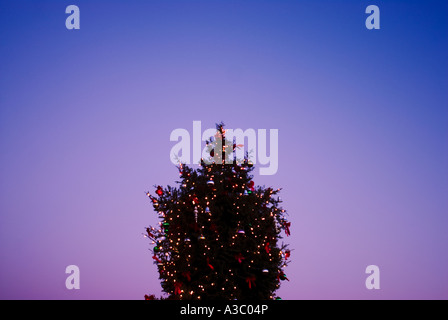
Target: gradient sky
(86, 116)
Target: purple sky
(86, 116)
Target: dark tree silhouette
(219, 234)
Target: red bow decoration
(250, 281)
(151, 297)
(150, 235)
(287, 225)
(157, 259)
(267, 248)
(159, 190)
(281, 276)
(177, 286)
(194, 199)
(187, 275)
(287, 254)
(250, 185)
(239, 257)
(208, 263)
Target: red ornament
(287, 254)
(159, 190)
(209, 265)
(287, 225)
(239, 257)
(151, 297)
(150, 235)
(281, 276)
(250, 185)
(194, 199)
(250, 281)
(267, 248)
(177, 286)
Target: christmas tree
(219, 234)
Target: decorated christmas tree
(218, 235)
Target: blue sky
(86, 115)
